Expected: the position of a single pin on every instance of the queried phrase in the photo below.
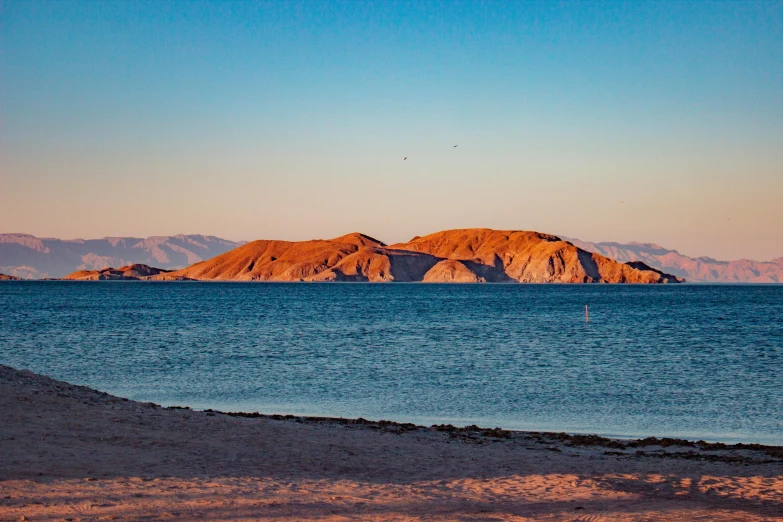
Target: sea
(697, 361)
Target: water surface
(695, 361)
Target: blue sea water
(694, 361)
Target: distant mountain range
(699, 269)
(29, 257)
(451, 256)
(26, 256)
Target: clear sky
(606, 121)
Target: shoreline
(608, 440)
(73, 452)
(397, 283)
(474, 431)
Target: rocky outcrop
(136, 272)
(470, 255)
(528, 257)
(451, 271)
(4, 277)
(353, 257)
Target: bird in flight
(406, 157)
(454, 147)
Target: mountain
(469, 255)
(4, 277)
(353, 257)
(699, 269)
(27, 256)
(135, 272)
(526, 257)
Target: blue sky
(648, 121)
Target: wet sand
(71, 453)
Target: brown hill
(528, 257)
(451, 271)
(359, 239)
(4, 277)
(353, 257)
(470, 255)
(135, 272)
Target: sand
(71, 453)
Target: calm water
(696, 361)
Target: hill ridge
(460, 255)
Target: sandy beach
(72, 453)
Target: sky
(604, 121)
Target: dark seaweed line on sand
(474, 433)
(471, 434)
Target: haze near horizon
(608, 121)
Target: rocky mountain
(699, 269)
(137, 272)
(27, 256)
(5, 277)
(469, 255)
